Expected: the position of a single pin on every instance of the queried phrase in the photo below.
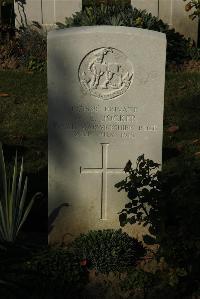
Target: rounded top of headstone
(106, 29)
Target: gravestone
(106, 96)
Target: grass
(23, 116)
(182, 107)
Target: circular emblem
(105, 73)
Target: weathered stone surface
(46, 12)
(106, 96)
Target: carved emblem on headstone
(105, 73)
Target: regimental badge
(105, 73)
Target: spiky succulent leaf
(3, 180)
(13, 212)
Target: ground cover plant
(108, 250)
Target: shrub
(57, 264)
(168, 203)
(108, 250)
(32, 43)
(143, 188)
(139, 283)
(27, 50)
(57, 269)
(6, 33)
(178, 47)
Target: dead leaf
(180, 147)
(196, 142)
(2, 94)
(197, 154)
(173, 129)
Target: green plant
(28, 49)
(143, 190)
(108, 250)
(36, 65)
(59, 266)
(32, 47)
(139, 283)
(195, 5)
(168, 202)
(124, 15)
(13, 211)
(99, 2)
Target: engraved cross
(104, 171)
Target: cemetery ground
(27, 265)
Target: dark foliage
(108, 250)
(27, 48)
(168, 203)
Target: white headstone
(171, 12)
(46, 12)
(150, 6)
(66, 8)
(106, 96)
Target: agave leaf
(10, 216)
(22, 202)
(13, 190)
(3, 180)
(19, 184)
(4, 228)
(26, 212)
(12, 200)
(2, 235)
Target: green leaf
(128, 205)
(123, 219)
(61, 25)
(3, 180)
(132, 220)
(149, 240)
(22, 202)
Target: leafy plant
(143, 190)
(139, 282)
(7, 32)
(107, 250)
(59, 266)
(168, 202)
(195, 5)
(27, 50)
(99, 2)
(13, 211)
(32, 42)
